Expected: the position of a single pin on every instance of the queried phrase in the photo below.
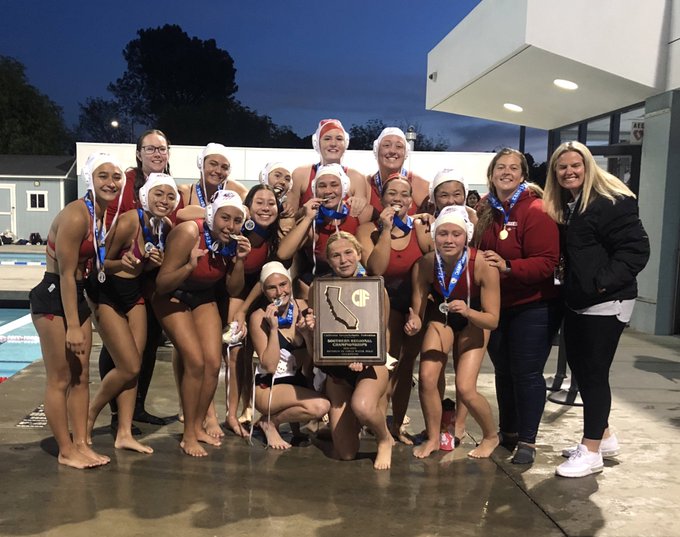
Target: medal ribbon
(99, 234)
(378, 180)
(225, 250)
(263, 232)
(331, 213)
(361, 271)
(287, 321)
(156, 239)
(447, 290)
(199, 193)
(406, 227)
(496, 204)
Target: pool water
(22, 347)
(22, 258)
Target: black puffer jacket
(605, 247)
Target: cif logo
(360, 297)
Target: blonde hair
(346, 236)
(485, 212)
(596, 182)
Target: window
(36, 200)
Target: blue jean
(519, 349)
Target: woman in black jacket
(605, 247)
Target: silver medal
(277, 302)
(148, 247)
(249, 225)
(444, 307)
(101, 277)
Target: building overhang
(511, 52)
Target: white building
(503, 62)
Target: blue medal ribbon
(99, 238)
(496, 204)
(406, 227)
(149, 238)
(331, 214)
(378, 181)
(287, 321)
(447, 290)
(361, 271)
(226, 250)
(263, 232)
(199, 193)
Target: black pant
(590, 342)
(153, 340)
(519, 349)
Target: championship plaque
(350, 320)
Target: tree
(169, 72)
(31, 122)
(96, 122)
(362, 136)
(184, 86)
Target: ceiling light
(565, 84)
(513, 107)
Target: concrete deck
(244, 490)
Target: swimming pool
(19, 345)
(22, 258)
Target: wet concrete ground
(244, 490)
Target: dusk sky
(296, 61)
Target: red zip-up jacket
(532, 247)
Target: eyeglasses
(151, 149)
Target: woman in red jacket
(522, 242)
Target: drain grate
(35, 420)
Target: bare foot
(246, 416)
(425, 449)
(123, 442)
(193, 448)
(235, 426)
(212, 427)
(402, 436)
(204, 437)
(485, 448)
(383, 459)
(90, 453)
(75, 459)
(274, 439)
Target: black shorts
(340, 373)
(194, 299)
(45, 298)
(122, 294)
(454, 320)
(265, 381)
(400, 294)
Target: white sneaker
(609, 448)
(581, 463)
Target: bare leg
(178, 371)
(178, 323)
(209, 331)
(289, 404)
(436, 344)
(407, 348)
(232, 358)
(60, 365)
(471, 343)
(367, 408)
(343, 423)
